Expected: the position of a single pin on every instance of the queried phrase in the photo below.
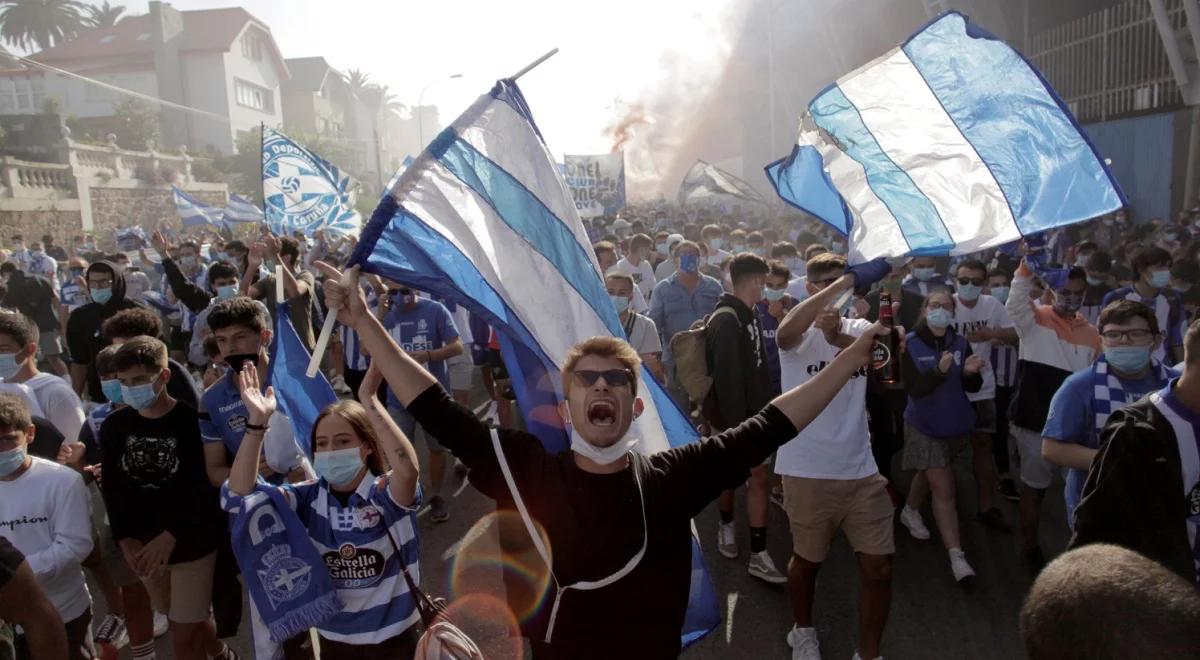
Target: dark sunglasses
(977, 281)
(613, 377)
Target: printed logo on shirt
(1193, 503)
(23, 520)
(285, 577)
(237, 423)
(422, 325)
(814, 369)
(150, 461)
(352, 567)
(349, 520)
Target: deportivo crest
(304, 191)
(285, 577)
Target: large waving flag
(193, 212)
(484, 219)
(304, 191)
(240, 209)
(949, 144)
(707, 183)
(300, 398)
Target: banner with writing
(597, 183)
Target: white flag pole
(314, 363)
(534, 63)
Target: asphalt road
(931, 615)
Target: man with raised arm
(617, 524)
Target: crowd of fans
(133, 415)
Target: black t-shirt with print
(155, 481)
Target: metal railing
(1111, 63)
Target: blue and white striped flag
(193, 212)
(240, 209)
(949, 144)
(303, 191)
(484, 219)
(301, 398)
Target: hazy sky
(609, 50)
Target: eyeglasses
(825, 282)
(949, 307)
(613, 377)
(977, 281)
(1135, 335)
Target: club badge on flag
(194, 213)
(949, 144)
(304, 191)
(484, 219)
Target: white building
(222, 61)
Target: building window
(253, 96)
(252, 45)
(20, 95)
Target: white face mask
(601, 455)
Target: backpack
(691, 357)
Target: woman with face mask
(938, 369)
(346, 515)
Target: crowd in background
(133, 413)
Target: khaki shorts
(816, 508)
(184, 590)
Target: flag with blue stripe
(240, 209)
(949, 144)
(484, 219)
(303, 191)
(193, 212)
(300, 398)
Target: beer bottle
(885, 355)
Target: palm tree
(105, 15)
(25, 24)
(357, 79)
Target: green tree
(136, 124)
(103, 15)
(26, 24)
(358, 80)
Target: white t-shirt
(987, 313)
(47, 514)
(642, 274)
(837, 444)
(24, 391)
(643, 336)
(60, 403)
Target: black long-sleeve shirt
(154, 481)
(737, 358)
(193, 297)
(594, 522)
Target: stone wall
(63, 225)
(145, 207)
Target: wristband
(255, 427)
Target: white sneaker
(727, 541)
(764, 569)
(911, 518)
(161, 624)
(339, 385)
(958, 564)
(804, 644)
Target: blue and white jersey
(1004, 365)
(361, 559)
(351, 344)
(96, 418)
(1186, 425)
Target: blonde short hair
(604, 347)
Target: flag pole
(534, 63)
(262, 141)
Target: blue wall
(1143, 154)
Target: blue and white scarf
(1108, 395)
(287, 580)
